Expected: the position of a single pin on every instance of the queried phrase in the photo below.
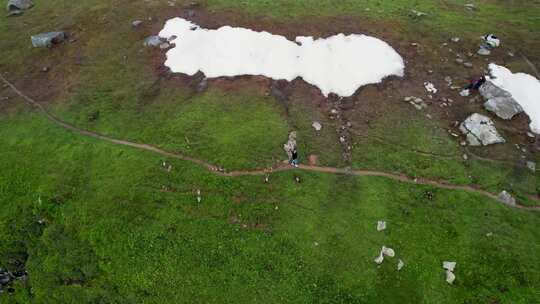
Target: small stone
(529, 134)
(381, 225)
(467, 64)
(465, 93)
(450, 266)
(459, 60)
(450, 277)
(164, 46)
(531, 165)
(152, 41)
(400, 265)
(45, 69)
(136, 23)
(465, 157)
(484, 52)
(317, 126)
(430, 87)
(455, 39)
(470, 6)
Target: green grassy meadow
(93, 222)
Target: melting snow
(525, 89)
(339, 64)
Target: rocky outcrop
(19, 5)
(290, 145)
(480, 131)
(499, 101)
(47, 40)
(507, 198)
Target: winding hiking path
(278, 168)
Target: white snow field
(525, 89)
(339, 64)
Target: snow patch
(525, 89)
(339, 64)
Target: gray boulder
(152, 41)
(499, 101)
(19, 5)
(507, 198)
(480, 131)
(48, 39)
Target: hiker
(476, 83)
(294, 158)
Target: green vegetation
(92, 222)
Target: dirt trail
(279, 168)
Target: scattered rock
(449, 267)
(400, 265)
(417, 102)
(317, 126)
(455, 39)
(417, 14)
(450, 277)
(491, 41)
(499, 101)
(46, 40)
(507, 198)
(164, 46)
(45, 69)
(467, 64)
(381, 225)
(470, 6)
(459, 61)
(530, 135)
(385, 251)
(152, 41)
(136, 23)
(480, 130)
(19, 5)
(484, 52)
(531, 165)
(199, 199)
(465, 93)
(430, 87)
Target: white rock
(480, 130)
(450, 277)
(317, 126)
(430, 87)
(388, 252)
(450, 266)
(400, 265)
(531, 165)
(381, 225)
(465, 93)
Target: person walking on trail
(476, 83)
(294, 158)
